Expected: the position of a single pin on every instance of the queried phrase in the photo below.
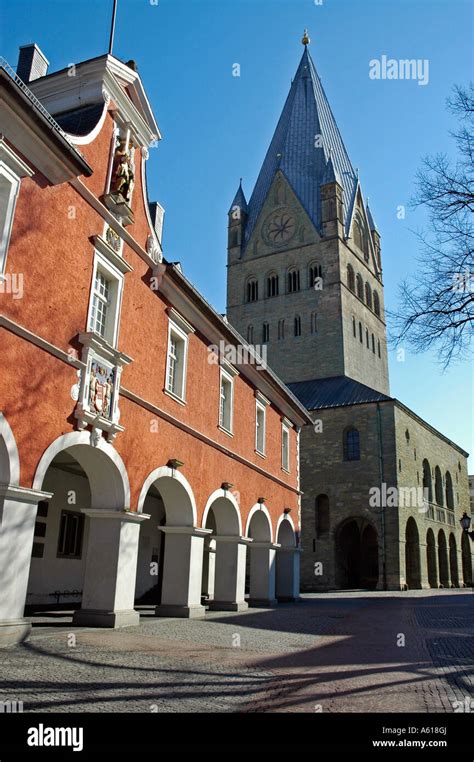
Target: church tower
(304, 264)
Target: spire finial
(305, 39)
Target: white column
(288, 574)
(262, 574)
(111, 569)
(18, 507)
(209, 568)
(229, 588)
(182, 572)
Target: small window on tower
(297, 325)
(266, 333)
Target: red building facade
(147, 454)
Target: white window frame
(285, 432)
(116, 277)
(226, 378)
(260, 408)
(13, 169)
(182, 336)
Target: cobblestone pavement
(357, 652)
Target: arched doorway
(453, 561)
(431, 559)
(356, 555)
(443, 560)
(171, 546)
(412, 555)
(89, 535)
(369, 558)
(222, 519)
(466, 560)
(261, 555)
(287, 561)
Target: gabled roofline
(60, 92)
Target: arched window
(351, 444)
(360, 332)
(367, 337)
(427, 485)
(354, 327)
(378, 347)
(252, 290)
(351, 278)
(250, 334)
(314, 322)
(272, 284)
(449, 492)
(297, 325)
(360, 236)
(315, 271)
(376, 304)
(360, 287)
(266, 333)
(368, 296)
(373, 343)
(438, 486)
(322, 515)
(293, 281)
(281, 329)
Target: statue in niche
(122, 173)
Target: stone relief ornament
(113, 239)
(122, 172)
(100, 388)
(96, 436)
(152, 249)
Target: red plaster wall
(51, 246)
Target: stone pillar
(229, 589)
(288, 574)
(18, 506)
(182, 572)
(424, 578)
(262, 574)
(208, 568)
(111, 569)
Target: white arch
(81, 140)
(103, 465)
(220, 495)
(261, 508)
(9, 457)
(282, 518)
(178, 497)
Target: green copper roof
(307, 147)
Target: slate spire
(307, 147)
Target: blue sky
(216, 127)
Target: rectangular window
(226, 402)
(285, 448)
(260, 429)
(176, 364)
(9, 187)
(104, 305)
(71, 531)
(101, 302)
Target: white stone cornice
(193, 531)
(23, 494)
(111, 255)
(128, 516)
